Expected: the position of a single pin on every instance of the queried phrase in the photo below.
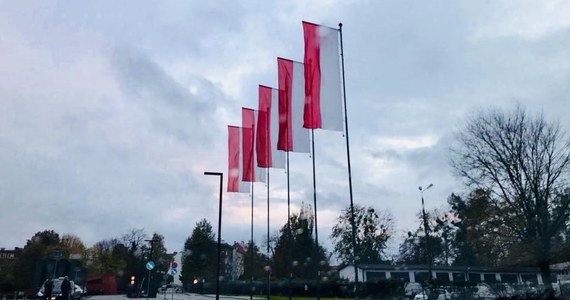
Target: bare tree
(73, 243)
(524, 161)
(134, 240)
(106, 246)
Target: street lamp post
(219, 230)
(428, 250)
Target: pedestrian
(48, 288)
(65, 288)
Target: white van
(75, 291)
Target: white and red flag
(292, 136)
(251, 172)
(323, 98)
(235, 182)
(268, 156)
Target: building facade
(443, 274)
(9, 254)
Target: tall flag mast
(252, 172)
(354, 245)
(292, 136)
(323, 102)
(266, 148)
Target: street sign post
(57, 255)
(149, 266)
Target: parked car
(443, 295)
(413, 288)
(171, 288)
(484, 291)
(75, 291)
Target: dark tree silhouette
(524, 162)
(373, 230)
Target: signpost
(76, 270)
(57, 255)
(149, 267)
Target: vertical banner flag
(251, 172)
(268, 156)
(292, 136)
(235, 183)
(323, 98)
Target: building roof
(239, 247)
(371, 267)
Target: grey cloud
(172, 107)
(127, 155)
(386, 154)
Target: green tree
(107, 256)
(373, 230)
(124, 257)
(134, 241)
(524, 162)
(7, 280)
(417, 249)
(200, 248)
(40, 246)
(481, 239)
(561, 245)
(414, 250)
(159, 254)
(73, 245)
(258, 271)
(306, 259)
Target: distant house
(444, 274)
(9, 254)
(562, 271)
(231, 261)
(232, 266)
(177, 258)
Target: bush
(381, 288)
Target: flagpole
(315, 254)
(251, 247)
(267, 261)
(354, 249)
(290, 236)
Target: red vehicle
(105, 284)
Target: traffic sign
(174, 265)
(173, 272)
(150, 265)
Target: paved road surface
(176, 296)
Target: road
(176, 296)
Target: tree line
(515, 167)
(124, 256)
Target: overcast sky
(110, 111)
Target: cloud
(111, 112)
(170, 106)
(527, 20)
